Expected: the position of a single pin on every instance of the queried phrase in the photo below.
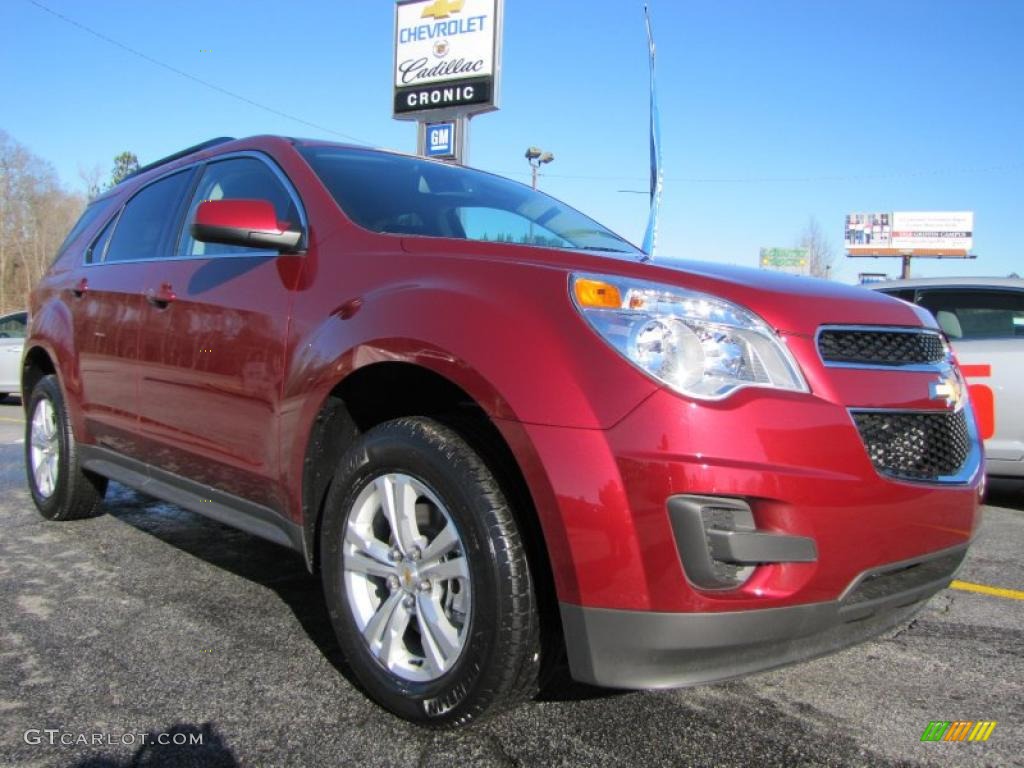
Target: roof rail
(177, 155)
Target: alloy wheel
(406, 577)
(45, 448)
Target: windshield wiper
(602, 248)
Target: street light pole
(537, 157)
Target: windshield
(408, 196)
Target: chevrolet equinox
(496, 430)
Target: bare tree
(819, 248)
(90, 177)
(36, 213)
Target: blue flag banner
(657, 180)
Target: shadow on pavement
(1006, 493)
(284, 572)
(561, 687)
(181, 749)
(238, 553)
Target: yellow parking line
(1010, 594)
(13, 421)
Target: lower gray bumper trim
(646, 649)
(637, 649)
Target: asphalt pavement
(154, 623)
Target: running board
(217, 505)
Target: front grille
(881, 347)
(915, 446)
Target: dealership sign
(926, 232)
(440, 140)
(447, 56)
(795, 261)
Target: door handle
(161, 298)
(80, 288)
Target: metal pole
(906, 267)
(462, 139)
(421, 138)
(533, 182)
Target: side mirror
(249, 223)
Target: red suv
(496, 428)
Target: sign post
(447, 69)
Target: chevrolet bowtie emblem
(947, 388)
(442, 9)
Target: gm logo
(440, 140)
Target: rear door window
(148, 219)
(976, 314)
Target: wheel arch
(36, 363)
(387, 389)
(49, 349)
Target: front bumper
(643, 649)
(796, 461)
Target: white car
(12, 343)
(984, 320)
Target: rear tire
(60, 488)
(437, 639)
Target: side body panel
(108, 318)
(210, 369)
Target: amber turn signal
(597, 294)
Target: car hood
(790, 304)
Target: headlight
(697, 344)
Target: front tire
(426, 578)
(60, 488)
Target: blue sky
(772, 112)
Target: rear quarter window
(92, 213)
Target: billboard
(868, 230)
(447, 57)
(949, 230)
(949, 233)
(794, 261)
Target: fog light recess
(717, 519)
(719, 544)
